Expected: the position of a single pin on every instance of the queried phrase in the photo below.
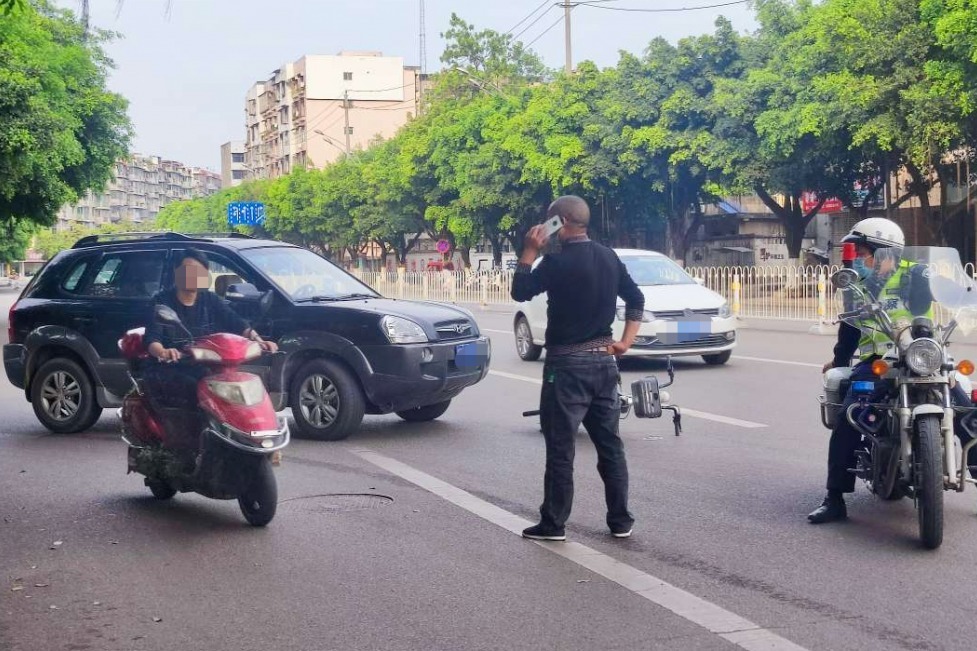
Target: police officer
(903, 288)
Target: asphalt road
(403, 536)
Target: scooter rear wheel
(259, 502)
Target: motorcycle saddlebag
(647, 398)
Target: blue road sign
(246, 213)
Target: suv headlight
(725, 311)
(924, 357)
(402, 331)
(647, 318)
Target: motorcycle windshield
(943, 285)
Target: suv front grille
(459, 329)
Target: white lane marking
(776, 361)
(693, 413)
(746, 358)
(715, 619)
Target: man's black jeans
(582, 388)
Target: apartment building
(140, 187)
(234, 170)
(321, 107)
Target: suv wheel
(63, 397)
(527, 350)
(426, 413)
(327, 402)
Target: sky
(185, 72)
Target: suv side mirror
(243, 292)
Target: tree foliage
(61, 131)
(824, 97)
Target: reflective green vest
(893, 298)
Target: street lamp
(329, 140)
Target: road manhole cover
(336, 502)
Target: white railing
(786, 293)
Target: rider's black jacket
(207, 316)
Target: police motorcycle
(920, 401)
(648, 399)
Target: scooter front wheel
(161, 489)
(260, 499)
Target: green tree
(61, 131)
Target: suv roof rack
(101, 238)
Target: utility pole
(566, 30)
(423, 62)
(346, 112)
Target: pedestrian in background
(580, 377)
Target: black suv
(346, 350)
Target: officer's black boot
(832, 509)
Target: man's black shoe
(539, 532)
(831, 510)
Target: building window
(349, 131)
(237, 175)
(237, 158)
(347, 76)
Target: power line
(531, 14)
(558, 21)
(529, 26)
(594, 4)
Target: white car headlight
(647, 318)
(402, 331)
(725, 311)
(924, 357)
(248, 392)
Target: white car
(682, 317)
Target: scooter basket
(647, 398)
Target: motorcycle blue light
(863, 387)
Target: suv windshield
(305, 276)
(655, 270)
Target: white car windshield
(648, 270)
(305, 276)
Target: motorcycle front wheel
(259, 501)
(928, 463)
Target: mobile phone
(552, 225)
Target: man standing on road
(580, 377)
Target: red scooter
(221, 449)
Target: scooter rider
(904, 290)
(203, 313)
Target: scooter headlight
(924, 357)
(205, 355)
(253, 352)
(246, 392)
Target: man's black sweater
(582, 283)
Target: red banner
(809, 201)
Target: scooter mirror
(166, 314)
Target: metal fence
(786, 293)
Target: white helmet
(877, 233)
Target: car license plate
(471, 355)
(680, 331)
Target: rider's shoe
(832, 509)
